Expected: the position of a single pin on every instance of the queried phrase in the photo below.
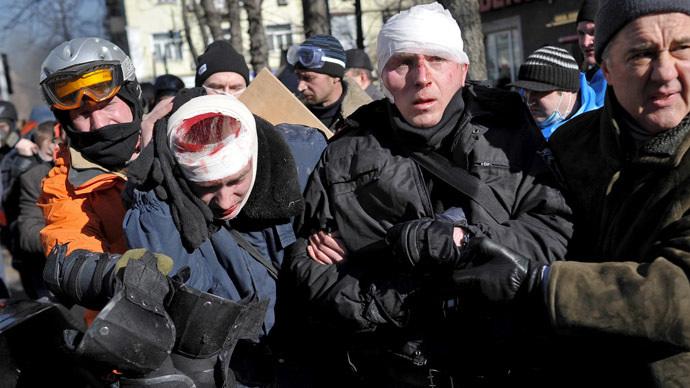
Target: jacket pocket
(353, 183)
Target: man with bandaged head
(217, 191)
(392, 204)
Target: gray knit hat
(613, 15)
(549, 68)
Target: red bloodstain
(208, 128)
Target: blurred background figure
(166, 86)
(585, 39)
(554, 88)
(148, 95)
(358, 67)
(27, 255)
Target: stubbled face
(317, 88)
(225, 196)
(648, 67)
(227, 82)
(92, 115)
(585, 38)
(422, 86)
(543, 104)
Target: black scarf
(111, 146)
(427, 139)
(329, 113)
(275, 195)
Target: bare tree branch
(212, 19)
(258, 48)
(235, 27)
(315, 18)
(201, 20)
(187, 33)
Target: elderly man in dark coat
(621, 307)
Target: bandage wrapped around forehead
(427, 29)
(213, 137)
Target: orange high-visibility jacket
(82, 206)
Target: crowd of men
(449, 234)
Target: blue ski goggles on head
(310, 57)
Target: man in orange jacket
(92, 88)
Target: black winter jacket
(364, 184)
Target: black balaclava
(111, 146)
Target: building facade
(152, 31)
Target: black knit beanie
(588, 11)
(549, 68)
(220, 56)
(613, 15)
(332, 49)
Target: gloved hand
(163, 263)
(505, 275)
(424, 241)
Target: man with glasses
(222, 70)
(319, 64)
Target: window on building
(167, 46)
(503, 44)
(344, 28)
(278, 36)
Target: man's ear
(605, 70)
(463, 73)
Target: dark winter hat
(549, 68)
(613, 15)
(219, 57)
(332, 49)
(357, 58)
(588, 11)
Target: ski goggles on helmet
(99, 81)
(310, 57)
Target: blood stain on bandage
(205, 129)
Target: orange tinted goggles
(66, 89)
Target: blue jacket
(598, 84)
(220, 266)
(588, 101)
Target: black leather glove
(499, 275)
(424, 241)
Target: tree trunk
(202, 22)
(235, 27)
(315, 17)
(466, 13)
(258, 50)
(212, 19)
(187, 34)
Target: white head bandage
(208, 161)
(427, 29)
